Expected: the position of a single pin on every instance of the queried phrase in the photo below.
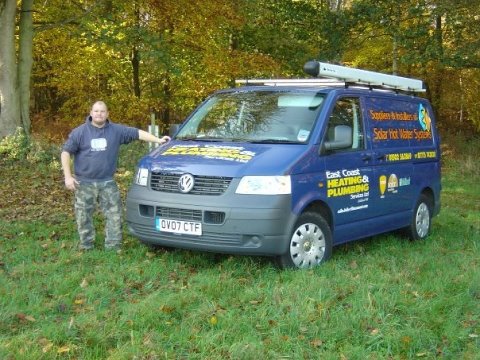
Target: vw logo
(185, 183)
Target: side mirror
(342, 138)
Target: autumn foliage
(164, 57)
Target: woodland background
(144, 56)
(379, 298)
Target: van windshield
(255, 116)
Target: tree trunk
(135, 56)
(25, 62)
(394, 55)
(438, 73)
(135, 59)
(9, 99)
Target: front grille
(179, 214)
(204, 185)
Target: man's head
(99, 114)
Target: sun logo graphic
(424, 118)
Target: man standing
(95, 146)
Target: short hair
(99, 102)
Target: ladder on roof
(371, 78)
(342, 75)
(296, 82)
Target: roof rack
(336, 75)
(286, 82)
(358, 76)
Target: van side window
(347, 112)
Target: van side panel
(406, 155)
(374, 190)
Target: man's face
(99, 114)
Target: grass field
(380, 298)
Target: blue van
(291, 168)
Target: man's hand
(146, 136)
(164, 139)
(71, 183)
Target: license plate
(178, 226)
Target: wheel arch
(311, 239)
(428, 192)
(323, 209)
(316, 206)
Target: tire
(421, 222)
(310, 243)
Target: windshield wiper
(238, 139)
(275, 141)
(198, 138)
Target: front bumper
(249, 224)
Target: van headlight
(265, 185)
(142, 177)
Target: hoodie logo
(99, 144)
(185, 183)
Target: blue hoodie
(95, 150)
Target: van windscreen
(259, 116)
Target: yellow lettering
(380, 134)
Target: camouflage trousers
(107, 195)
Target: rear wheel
(419, 227)
(310, 243)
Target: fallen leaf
(70, 324)
(406, 339)
(63, 350)
(167, 309)
(47, 347)
(213, 320)
(316, 343)
(24, 317)
(44, 341)
(20, 316)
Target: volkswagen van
(291, 168)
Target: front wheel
(419, 227)
(310, 243)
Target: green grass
(379, 298)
